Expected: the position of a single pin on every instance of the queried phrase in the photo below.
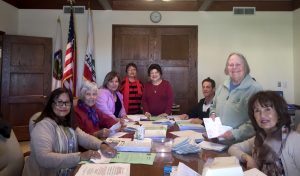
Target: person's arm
(244, 131)
(170, 99)
(42, 140)
(90, 142)
(103, 101)
(241, 148)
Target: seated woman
(275, 148)
(55, 138)
(110, 100)
(132, 90)
(158, 94)
(90, 119)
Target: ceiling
(162, 5)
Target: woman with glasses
(275, 148)
(55, 138)
(110, 100)
(231, 100)
(90, 119)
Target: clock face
(155, 17)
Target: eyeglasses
(60, 103)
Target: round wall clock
(155, 17)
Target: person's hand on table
(250, 162)
(163, 115)
(104, 133)
(107, 150)
(87, 155)
(148, 115)
(196, 121)
(183, 116)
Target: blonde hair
(242, 57)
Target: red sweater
(87, 125)
(157, 99)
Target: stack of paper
(223, 166)
(212, 146)
(134, 158)
(137, 117)
(134, 146)
(164, 122)
(130, 127)
(254, 172)
(155, 131)
(187, 125)
(184, 145)
(189, 134)
(184, 170)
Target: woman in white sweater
(275, 148)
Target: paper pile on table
(184, 145)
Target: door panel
(26, 79)
(174, 48)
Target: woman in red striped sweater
(132, 90)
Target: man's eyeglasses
(62, 103)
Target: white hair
(87, 86)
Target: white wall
(297, 55)
(8, 18)
(266, 39)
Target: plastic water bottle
(139, 133)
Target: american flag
(57, 58)
(89, 62)
(70, 69)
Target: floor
(25, 146)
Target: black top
(197, 111)
(118, 106)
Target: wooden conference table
(165, 157)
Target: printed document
(115, 169)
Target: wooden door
(174, 48)
(26, 79)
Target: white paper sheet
(254, 172)
(115, 127)
(213, 127)
(117, 135)
(115, 169)
(212, 146)
(188, 133)
(103, 159)
(184, 170)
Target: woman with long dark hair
(55, 138)
(275, 147)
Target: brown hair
(109, 76)
(270, 99)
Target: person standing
(158, 94)
(231, 99)
(132, 90)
